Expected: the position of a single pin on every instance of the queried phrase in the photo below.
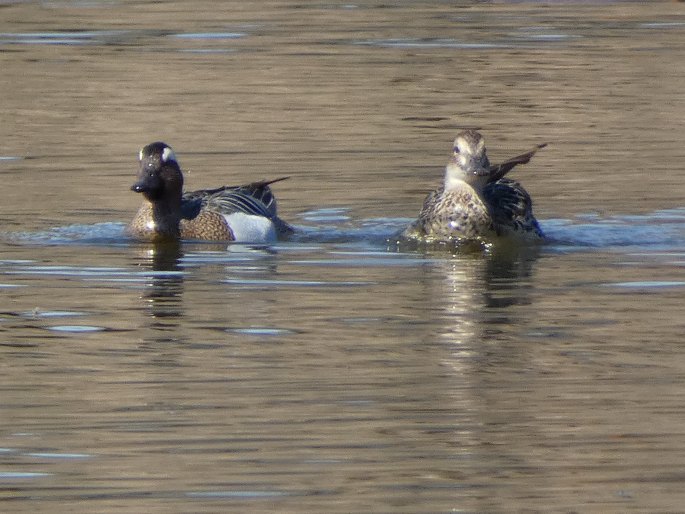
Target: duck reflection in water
(164, 291)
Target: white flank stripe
(248, 228)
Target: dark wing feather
(191, 206)
(254, 198)
(497, 171)
(511, 207)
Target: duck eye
(456, 149)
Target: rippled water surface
(336, 372)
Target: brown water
(333, 373)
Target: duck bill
(148, 188)
(140, 187)
(146, 183)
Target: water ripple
(659, 230)
(67, 456)
(260, 331)
(109, 233)
(18, 475)
(426, 43)
(76, 328)
(237, 494)
(648, 284)
(37, 313)
(294, 283)
(60, 38)
(210, 35)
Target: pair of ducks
(475, 203)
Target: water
(335, 372)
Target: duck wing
(511, 207)
(497, 171)
(255, 198)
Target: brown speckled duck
(230, 213)
(476, 202)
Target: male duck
(476, 202)
(230, 213)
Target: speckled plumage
(167, 213)
(476, 202)
(205, 226)
(450, 215)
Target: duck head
(469, 162)
(159, 175)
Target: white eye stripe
(140, 155)
(168, 155)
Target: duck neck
(167, 218)
(457, 178)
(453, 183)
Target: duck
(476, 202)
(243, 214)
